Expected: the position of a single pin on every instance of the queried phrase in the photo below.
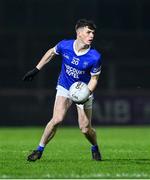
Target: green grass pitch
(125, 151)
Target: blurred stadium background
(29, 27)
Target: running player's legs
(61, 106)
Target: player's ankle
(40, 148)
(94, 148)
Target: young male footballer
(80, 62)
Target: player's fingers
(30, 78)
(27, 78)
(24, 78)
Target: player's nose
(91, 35)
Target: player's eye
(90, 32)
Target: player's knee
(56, 120)
(84, 129)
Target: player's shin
(49, 133)
(90, 134)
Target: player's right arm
(44, 60)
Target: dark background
(28, 28)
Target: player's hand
(30, 75)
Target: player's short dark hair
(84, 22)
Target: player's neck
(80, 46)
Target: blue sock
(94, 148)
(40, 148)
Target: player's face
(86, 35)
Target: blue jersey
(77, 66)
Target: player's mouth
(90, 40)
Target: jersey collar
(80, 53)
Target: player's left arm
(93, 82)
(95, 72)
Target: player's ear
(78, 31)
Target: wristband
(36, 70)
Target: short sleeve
(58, 47)
(96, 68)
